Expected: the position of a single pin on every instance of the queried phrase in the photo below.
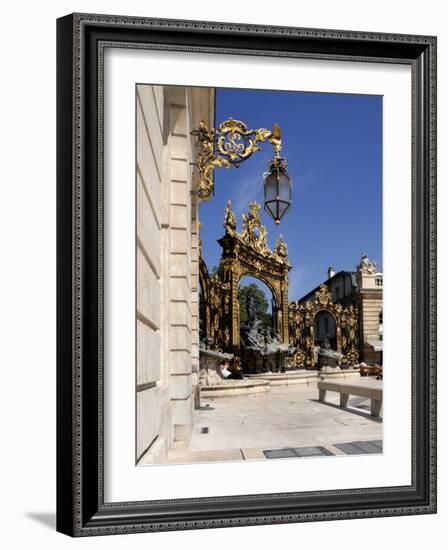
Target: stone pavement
(288, 418)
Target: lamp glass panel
(284, 187)
(271, 207)
(281, 208)
(270, 187)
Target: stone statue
(253, 339)
(254, 232)
(281, 248)
(262, 348)
(325, 344)
(366, 265)
(261, 243)
(251, 310)
(229, 219)
(326, 356)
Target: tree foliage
(261, 304)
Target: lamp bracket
(229, 145)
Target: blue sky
(333, 145)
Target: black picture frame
(81, 510)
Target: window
(380, 327)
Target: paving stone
(360, 447)
(286, 418)
(312, 451)
(377, 445)
(253, 454)
(280, 453)
(298, 452)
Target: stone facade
(363, 289)
(167, 264)
(370, 304)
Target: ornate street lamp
(231, 144)
(277, 189)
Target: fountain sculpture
(328, 359)
(262, 349)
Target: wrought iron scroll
(229, 144)
(301, 328)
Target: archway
(325, 328)
(261, 345)
(247, 254)
(251, 287)
(308, 326)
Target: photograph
(259, 274)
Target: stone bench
(374, 392)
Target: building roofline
(311, 292)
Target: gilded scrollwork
(295, 320)
(244, 253)
(301, 327)
(323, 295)
(254, 233)
(351, 356)
(229, 144)
(214, 306)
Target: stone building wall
(371, 307)
(370, 297)
(153, 403)
(167, 264)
